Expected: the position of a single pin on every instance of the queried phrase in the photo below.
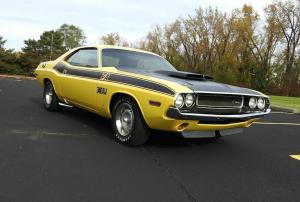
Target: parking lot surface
(69, 155)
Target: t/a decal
(104, 76)
(101, 90)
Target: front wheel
(50, 98)
(128, 123)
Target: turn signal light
(182, 126)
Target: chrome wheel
(124, 119)
(48, 96)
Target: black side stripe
(61, 68)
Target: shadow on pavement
(158, 138)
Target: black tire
(52, 103)
(139, 133)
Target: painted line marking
(282, 113)
(297, 157)
(41, 133)
(272, 123)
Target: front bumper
(211, 133)
(208, 125)
(214, 118)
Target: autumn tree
(238, 47)
(287, 17)
(113, 39)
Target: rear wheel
(128, 123)
(50, 98)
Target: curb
(19, 77)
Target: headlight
(189, 100)
(252, 102)
(261, 103)
(179, 101)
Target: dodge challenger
(140, 91)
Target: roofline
(116, 47)
(101, 47)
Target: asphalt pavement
(70, 155)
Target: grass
(13, 70)
(286, 102)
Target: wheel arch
(46, 80)
(119, 94)
(49, 79)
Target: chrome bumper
(176, 114)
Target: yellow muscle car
(140, 91)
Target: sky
(132, 19)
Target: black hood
(196, 82)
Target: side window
(109, 61)
(87, 57)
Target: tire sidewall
(47, 87)
(124, 139)
(53, 106)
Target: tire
(50, 98)
(128, 123)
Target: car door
(80, 76)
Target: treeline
(240, 47)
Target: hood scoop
(185, 75)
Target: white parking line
(40, 133)
(272, 123)
(281, 112)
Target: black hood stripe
(119, 78)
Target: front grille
(219, 101)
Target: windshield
(134, 60)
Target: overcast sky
(23, 19)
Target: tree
(287, 16)
(73, 36)
(48, 47)
(114, 39)
(8, 59)
(51, 44)
(264, 47)
(2, 42)
(31, 54)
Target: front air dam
(212, 133)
